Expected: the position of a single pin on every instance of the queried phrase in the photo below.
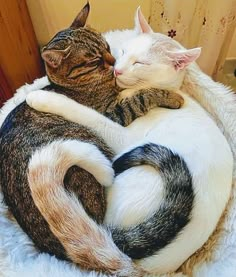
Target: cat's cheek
(120, 83)
(125, 82)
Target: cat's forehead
(82, 37)
(59, 39)
(138, 45)
(148, 42)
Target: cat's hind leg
(86, 243)
(54, 159)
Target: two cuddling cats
(190, 169)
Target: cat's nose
(117, 72)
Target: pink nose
(117, 72)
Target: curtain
(209, 24)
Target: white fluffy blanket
(18, 257)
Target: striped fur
(128, 109)
(156, 232)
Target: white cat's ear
(54, 57)
(141, 24)
(183, 58)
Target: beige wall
(232, 49)
(50, 16)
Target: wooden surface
(19, 53)
(5, 90)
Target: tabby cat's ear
(54, 57)
(183, 58)
(81, 18)
(141, 24)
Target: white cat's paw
(38, 100)
(45, 101)
(105, 176)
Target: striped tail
(174, 212)
(85, 242)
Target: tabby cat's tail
(174, 212)
(85, 242)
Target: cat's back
(23, 131)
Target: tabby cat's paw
(176, 100)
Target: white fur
(117, 37)
(85, 155)
(134, 194)
(217, 99)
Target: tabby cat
(158, 223)
(80, 66)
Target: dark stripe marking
(174, 213)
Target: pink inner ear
(181, 63)
(52, 58)
(181, 59)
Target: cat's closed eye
(84, 68)
(140, 63)
(94, 62)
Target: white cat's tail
(85, 242)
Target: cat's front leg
(154, 97)
(48, 102)
(137, 103)
(113, 134)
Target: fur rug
(18, 257)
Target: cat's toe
(177, 101)
(178, 104)
(180, 101)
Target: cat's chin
(125, 84)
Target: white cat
(137, 193)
